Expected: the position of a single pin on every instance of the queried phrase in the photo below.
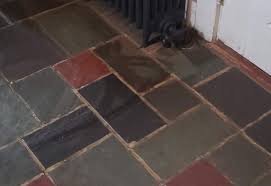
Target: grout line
(171, 123)
(8, 21)
(33, 179)
(119, 138)
(32, 155)
(78, 153)
(161, 84)
(8, 144)
(253, 123)
(212, 77)
(96, 80)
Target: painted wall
(243, 25)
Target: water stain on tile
(191, 65)
(19, 9)
(47, 94)
(181, 143)
(16, 120)
(260, 132)
(140, 71)
(124, 111)
(25, 49)
(65, 136)
(16, 165)
(172, 99)
(241, 161)
(200, 174)
(82, 69)
(107, 164)
(76, 27)
(41, 181)
(237, 96)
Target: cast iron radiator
(162, 18)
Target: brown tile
(140, 71)
(237, 96)
(41, 181)
(200, 174)
(76, 27)
(172, 99)
(82, 69)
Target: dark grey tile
(16, 165)
(124, 111)
(19, 9)
(140, 71)
(241, 161)
(181, 143)
(65, 136)
(16, 120)
(237, 96)
(261, 133)
(47, 94)
(76, 27)
(25, 49)
(108, 164)
(172, 99)
(191, 65)
(2, 22)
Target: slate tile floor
(81, 104)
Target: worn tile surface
(65, 136)
(237, 96)
(140, 71)
(172, 99)
(48, 100)
(19, 9)
(25, 49)
(261, 133)
(124, 111)
(41, 181)
(265, 181)
(16, 165)
(181, 143)
(82, 69)
(110, 159)
(191, 65)
(241, 161)
(76, 27)
(200, 174)
(15, 119)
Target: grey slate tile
(76, 27)
(15, 119)
(260, 132)
(191, 65)
(123, 109)
(241, 161)
(25, 49)
(181, 143)
(237, 96)
(19, 9)
(65, 136)
(47, 94)
(16, 166)
(172, 99)
(108, 164)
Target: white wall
(203, 15)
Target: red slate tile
(82, 69)
(41, 181)
(200, 174)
